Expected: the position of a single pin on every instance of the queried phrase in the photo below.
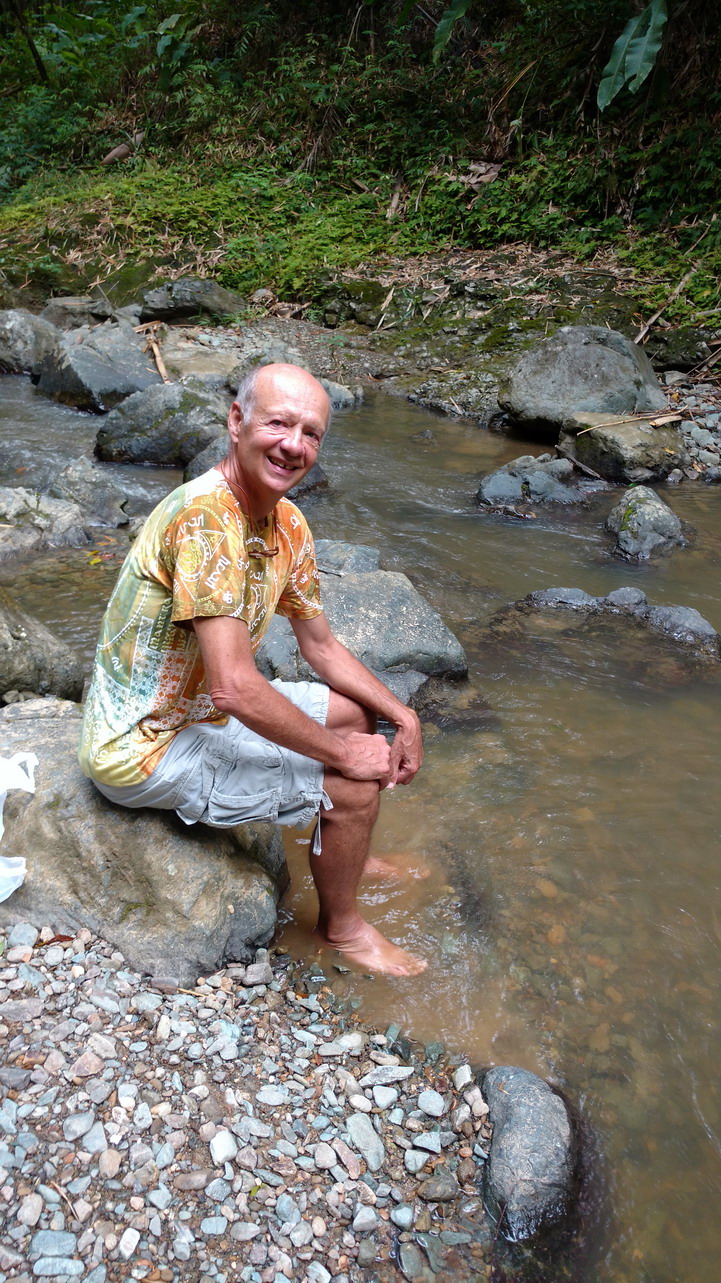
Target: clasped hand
(371, 757)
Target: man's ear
(235, 421)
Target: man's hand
(406, 754)
(368, 757)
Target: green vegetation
(282, 141)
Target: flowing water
(566, 812)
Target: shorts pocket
(226, 809)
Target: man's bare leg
(346, 832)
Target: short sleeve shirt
(198, 555)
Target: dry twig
(674, 294)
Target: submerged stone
(530, 1169)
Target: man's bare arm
(335, 664)
(237, 687)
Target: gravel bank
(248, 1129)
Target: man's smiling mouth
(287, 467)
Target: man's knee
(346, 715)
(360, 798)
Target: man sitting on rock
(179, 717)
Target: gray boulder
(529, 1174)
(685, 625)
(29, 521)
(580, 369)
(380, 617)
(631, 452)
(387, 624)
(530, 480)
(72, 311)
(177, 901)
(189, 296)
(643, 524)
(101, 498)
(341, 397)
(566, 598)
(97, 367)
(210, 457)
(167, 424)
(32, 659)
(334, 557)
(24, 340)
(625, 600)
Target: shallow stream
(567, 811)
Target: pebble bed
(247, 1129)
(700, 404)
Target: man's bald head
(283, 376)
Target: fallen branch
(162, 371)
(151, 345)
(674, 294)
(658, 422)
(582, 467)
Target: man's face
(278, 444)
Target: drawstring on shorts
(326, 802)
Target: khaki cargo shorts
(226, 775)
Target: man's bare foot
(369, 949)
(374, 867)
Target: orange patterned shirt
(197, 555)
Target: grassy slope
(289, 171)
(259, 225)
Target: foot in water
(375, 867)
(367, 948)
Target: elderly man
(179, 717)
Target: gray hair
(246, 394)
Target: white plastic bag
(16, 772)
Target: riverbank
(248, 1128)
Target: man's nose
(293, 441)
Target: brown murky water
(567, 812)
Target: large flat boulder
(630, 451)
(176, 901)
(188, 361)
(189, 296)
(166, 424)
(381, 617)
(580, 369)
(24, 340)
(30, 521)
(97, 367)
(644, 525)
(71, 311)
(32, 659)
(529, 1174)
